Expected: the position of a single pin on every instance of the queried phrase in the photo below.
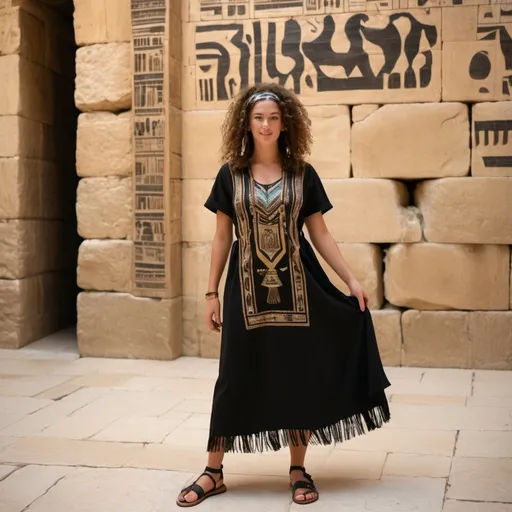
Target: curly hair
(294, 142)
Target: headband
(263, 96)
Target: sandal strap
(211, 478)
(302, 484)
(297, 468)
(215, 471)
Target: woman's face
(265, 122)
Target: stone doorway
(38, 125)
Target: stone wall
(129, 195)
(38, 240)
(412, 138)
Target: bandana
(263, 96)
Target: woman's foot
(209, 483)
(303, 487)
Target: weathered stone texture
(198, 222)
(442, 276)
(10, 31)
(371, 211)
(330, 153)
(121, 325)
(29, 247)
(105, 265)
(492, 143)
(436, 339)
(104, 144)
(25, 137)
(104, 207)
(28, 309)
(365, 261)
(100, 21)
(198, 339)
(103, 80)
(388, 332)
(466, 210)
(412, 141)
(458, 339)
(361, 112)
(30, 189)
(206, 127)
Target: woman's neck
(266, 156)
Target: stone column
(129, 197)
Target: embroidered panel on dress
(267, 217)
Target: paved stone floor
(80, 435)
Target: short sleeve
(315, 197)
(221, 195)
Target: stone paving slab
(112, 435)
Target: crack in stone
(46, 492)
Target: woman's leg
(297, 458)
(214, 461)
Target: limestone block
(124, 326)
(365, 261)
(29, 247)
(190, 337)
(175, 130)
(104, 144)
(20, 136)
(10, 80)
(103, 77)
(436, 339)
(466, 210)
(105, 265)
(443, 276)
(460, 24)
(104, 207)
(361, 112)
(10, 31)
(492, 141)
(30, 189)
(198, 338)
(204, 127)
(330, 153)
(491, 339)
(198, 222)
(412, 141)
(388, 332)
(371, 211)
(29, 309)
(100, 21)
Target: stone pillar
(37, 177)
(129, 196)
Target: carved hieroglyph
(154, 215)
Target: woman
(299, 361)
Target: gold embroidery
(272, 241)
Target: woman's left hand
(358, 291)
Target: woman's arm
(325, 244)
(220, 251)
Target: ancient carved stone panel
(492, 139)
(332, 56)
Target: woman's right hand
(213, 314)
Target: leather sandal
(201, 494)
(307, 483)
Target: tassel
(273, 296)
(272, 282)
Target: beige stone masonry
(412, 141)
(201, 143)
(372, 211)
(103, 80)
(30, 189)
(466, 210)
(104, 144)
(104, 207)
(120, 325)
(365, 261)
(102, 21)
(105, 265)
(492, 139)
(198, 223)
(442, 276)
(28, 89)
(29, 247)
(330, 127)
(20, 136)
(361, 112)
(388, 332)
(10, 31)
(28, 310)
(198, 339)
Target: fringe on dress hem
(343, 430)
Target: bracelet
(211, 295)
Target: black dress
(297, 354)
